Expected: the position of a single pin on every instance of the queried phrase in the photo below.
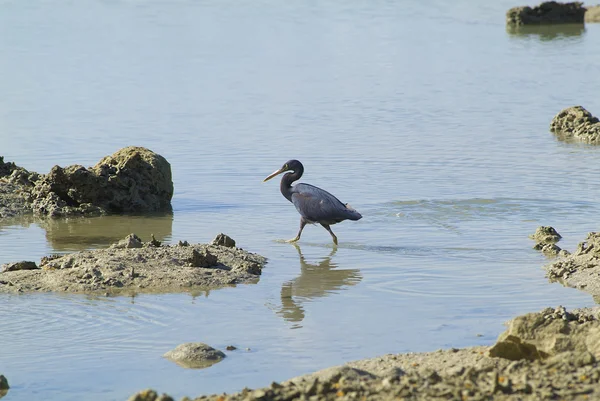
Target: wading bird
(315, 205)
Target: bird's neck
(286, 183)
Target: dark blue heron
(314, 204)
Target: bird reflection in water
(315, 280)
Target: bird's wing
(318, 205)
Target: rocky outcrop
(581, 269)
(195, 355)
(133, 266)
(133, 179)
(551, 333)
(550, 12)
(545, 238)
(592, 14)
(576, 124)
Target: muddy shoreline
(550, 354)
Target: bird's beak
(281, 170)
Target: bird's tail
(354, 215)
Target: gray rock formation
(550, 12)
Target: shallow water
(430, 119)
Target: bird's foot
(291, 241)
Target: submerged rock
(141, 267)
(576, 124)
(549, 12)
(195, 355)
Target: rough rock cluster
(545, 238)
(133, 266)
(133, 179)
(576, 124)
(549, 12)
(581, 269)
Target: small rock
(203, 258)
(545, 235)
(183, 243)
(231, 348)
(550, 249)
(154, 242)
(195, 355)
(131, 241)
(23, 265)
(224, 240)
(3, 383)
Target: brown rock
(134, 179)
(131, 241)
(224, 240)
(576, 124)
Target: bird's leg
(302, 224)
(326, 226)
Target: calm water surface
(431, 119)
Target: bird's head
(290, 165)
